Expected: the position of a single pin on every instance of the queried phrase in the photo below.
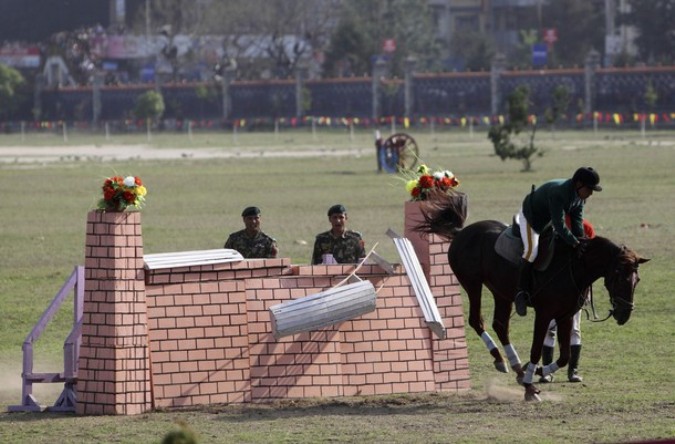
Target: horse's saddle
(510, 247)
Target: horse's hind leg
(500, 325)
(477, 322)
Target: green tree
(369, 23)
(502, 136)
(11, 81)
(348, 53)
(474, 48)
(580, 28)
(561, 100)
(149, 106)
(651, 96)
(653, 20)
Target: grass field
(628, 393)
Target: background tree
(348, 53)
(11, 81)
(653, 20)
(580, 26)
(502, 136)
(651, 96)
(408, 22)
(560, 102)
(474, 48)
(149, 106)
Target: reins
(591, 302)
(580, 292)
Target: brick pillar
(114, 375)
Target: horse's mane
(624, 255)
(444, 214)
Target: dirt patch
(41, 155)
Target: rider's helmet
(588, 177)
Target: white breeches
(575, 336)
(529, 237)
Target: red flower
(108, 193)
(129, 197)
(426, 181)
(416, 192)
(138, 181)
(444, 183)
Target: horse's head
(620, 280)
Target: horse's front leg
(564, 341)
(540, 329)
(564, 335)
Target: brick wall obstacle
(195, 335)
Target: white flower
(130, 181)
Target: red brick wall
(114, 370)
(210, 336)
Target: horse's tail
(444, 214)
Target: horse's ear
(642, 260)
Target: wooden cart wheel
(401, 151)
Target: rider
(548, 205)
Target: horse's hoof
(531, 393)
(501, 367)
(519, 378)
(546, 379)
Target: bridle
(611, 282)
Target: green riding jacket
(549, 203)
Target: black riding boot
(546, 359)
(524, 283)
(572, 375)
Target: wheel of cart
(400, 152)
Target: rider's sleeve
(557, 207)
(577, 221)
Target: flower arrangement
(120, 193)
(422, 183)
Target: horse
(558, 291)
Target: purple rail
(71, 351)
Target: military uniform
(348, 248)
(550, 203)
(257, 247)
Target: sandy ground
(39, 155)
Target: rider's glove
(581, 247)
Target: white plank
(323, 309)
(419, 283)
(191, 258)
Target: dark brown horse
(558, 291)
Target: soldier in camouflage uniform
(251, 242)
(346, 246)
